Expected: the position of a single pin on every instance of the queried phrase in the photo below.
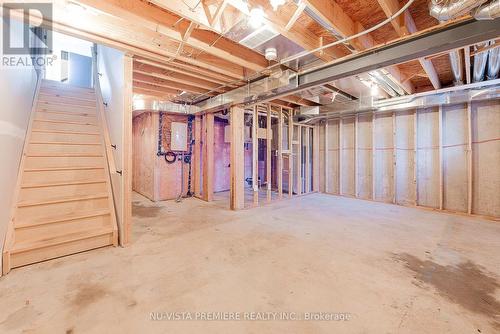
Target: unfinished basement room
(250, 166)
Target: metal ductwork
(493, 63)
(456, 67)
(489, 11)
(480, 60)
(445, 10)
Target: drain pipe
(489, 11)
(179, 198)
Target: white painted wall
(17, 87)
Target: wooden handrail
(100, 109)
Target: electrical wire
(308, 52)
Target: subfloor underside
(384, 268)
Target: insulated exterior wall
(364, 158)
(405, 158)
(432, 166)
(322, 158)
(333, 157)
(486, 158)
(348, 157)
(428, 157)
(455, 158)
(384, 146)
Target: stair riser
(48, 210)
(38, 149)
(62, 137)
(68, 93)
(65, 108)
(44, 162)
(62, 228)
(47, 193)
(91, 118)
(62, 176)
(42, 254)
(66, 100)
(88, 128)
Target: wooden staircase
(63, 202)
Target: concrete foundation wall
(419, 159)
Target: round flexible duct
(489, 11)
(445, 10)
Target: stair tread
(64, 122)
(65, 155)
(46, 169)
(58, 184)
(68, 113)
(67, 132)
(61, 95)
(28, 245)
(64, 143)
(61, 218)
(41, 102)
(63, 199)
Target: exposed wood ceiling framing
(181, 46)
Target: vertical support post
(415, 155)
(197, 156)
(290, 156)
(374, 153)
(440, 129)
(208, 157)
(279, 165)
(327, 160)
(299, 160)
(237, 153)
(255, 156)
(356, 120)
(341, 153)
(394, 159)
(316, 154)
(126, 183)
(469, 158)
(269, 138)
(308, 160)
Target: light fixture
(276, 3)
(256, 17)
(271, 54)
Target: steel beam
(452, 37)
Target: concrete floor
(392, 269)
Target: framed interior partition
(272, 156)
